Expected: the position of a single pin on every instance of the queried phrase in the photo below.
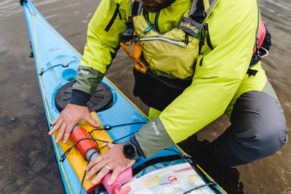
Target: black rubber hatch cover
(101, 100)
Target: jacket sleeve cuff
(153, 137)
(134, 142)
(80, 98)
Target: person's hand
(113, 160)
(69, 117)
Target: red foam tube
(83, 145)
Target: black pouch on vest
(157, 91)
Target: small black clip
(127, 35)
(62, 158)
(22, 2)
(252, 72)
(107, 127)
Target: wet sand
(27, 163)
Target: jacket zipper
(116, 12)
(208, 40)
(178, 43)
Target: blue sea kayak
(56, 63)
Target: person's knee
(268, 140)
(259, 125)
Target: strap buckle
(135, 55)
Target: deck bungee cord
(64, 65)
(87, 145)
(106, 127)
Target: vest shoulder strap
(198, 13)
(135, 7)
(135, 10)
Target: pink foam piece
(262, 33)
(123, 178)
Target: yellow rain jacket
(220, 73)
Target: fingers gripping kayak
(112, 161)
(68, 119)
